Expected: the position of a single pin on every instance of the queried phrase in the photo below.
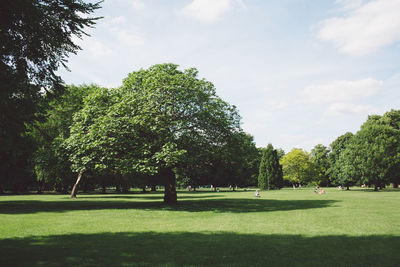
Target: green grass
(282, 228)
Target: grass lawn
(282, 228)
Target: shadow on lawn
(199, 249)
(145, 196)
(234, 205)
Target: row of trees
(154, 131)
(162, 126)
(370, 157)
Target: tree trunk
(144, 189)
(74, 189)
(40, 188)
(125, 188)
(170, 197)
(153, 188)
(348, 188)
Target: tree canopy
(160, 121)
(36, 37)
(297, 167)
(373, 154)
(50, 159)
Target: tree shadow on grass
(199, 249)
(146, 196)
(235, 205)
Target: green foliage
(235, 163)
(297, 167)
(36, 37)
(374, 152)
(160, 119)
(270, 171)
(50, 159)
(319, 158)
(335, 170)
(371, 156)
(280, 153)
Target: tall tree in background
(36, 38)
(270, 171)
(319, 157)
(334, 172)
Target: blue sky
(301, 72)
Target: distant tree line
(370, 157)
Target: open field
(286, 227)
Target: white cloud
(112, 21)
(349, 4)
(341, 108)
(121, 31)
(93, 46)
(137, 5)
(277, 104)
(96, 48)
(207, 10)
(364, 29)
(127, 38)
(341, 90)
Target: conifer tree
(270, 172)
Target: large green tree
(36, 37)
(373, 155)
(270, 171)
(158, 122)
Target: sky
(300, 72)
